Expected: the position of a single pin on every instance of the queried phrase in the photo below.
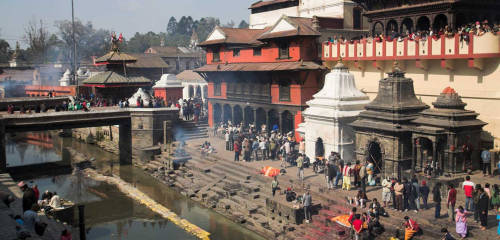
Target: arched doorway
(440, 21)
(190, 91)
(288, 123)
(249, 115)
(198, 91)
(319, 148)
(375, 156)
(217, 112)
(237, 115)
(378, 28)
(423, 24)
(274, 119)
(407, 26)
(392, 25)
(228, 113)
(424, 152)
(261, 118)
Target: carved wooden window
(217, 88)
(216, 55)
(284, 89)
(284, 52)
(257, 51)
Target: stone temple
(400, 134)
(331, 111)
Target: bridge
(148, 125)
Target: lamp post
(75, 80)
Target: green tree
(205, 26)
(230, 24)
(172, 26)
(37, 38)
(5, 53)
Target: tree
(205, 26)
(172, 26)
(230, 24)
(140, 42)
(36, 36)
(4, 51)
(243, 24)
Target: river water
(110, 214)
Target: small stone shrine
(383, 132)
(168, 88)
(447, 135)
(331, 111)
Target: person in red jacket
(237, 151)
(357, 226)
(411, 228)
(450, 202)
(468, 188)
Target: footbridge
(147, 122)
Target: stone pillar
(280, 122)
(125, 143)
(3, 155)
(254, 112)
(434, 155)
(414, 157)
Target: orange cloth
(342, 220)
(409, 233)
(270, 171)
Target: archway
(440, 21)
(319, 148)
(424, 152)
(217, 112)
(378, 28)
(407, 25)
(237, 115)
(423, 23)
(190, 91)
(375, 156)
(288, 123)
(198, 91)
(392, 25)
(274, 119)
(228, 113)
(261, 118)
(249, 116)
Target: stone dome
(450, 99)
(168, 81)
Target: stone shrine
(65, 79)
(146, 98)
(169, 88)
(383, 132)
(330, 112)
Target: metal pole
(74, 43)
(81, 220)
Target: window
(217, 88)
(284, 90)
(257, 51)
(284, 52)
(236, 52)
(216, 55)
(356, 18)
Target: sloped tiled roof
(145, 60)
(258, 67)
(237, 36)
(267, 3)
(172, 51)
(190, 76)
(303, 27)
(110, 77)
(115, 56)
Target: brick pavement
(317, 182)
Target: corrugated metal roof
(145, 60)
(173, 51)
(110, 77)
(259, 67)
(266, 3)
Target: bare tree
(37, 38)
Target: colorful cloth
(409, 233)
(342, 220)
(498, 218)
(270, 171)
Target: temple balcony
(443, 48)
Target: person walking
(346, 180)
(486, 159)
(468, 187)
(424, 193)
(398, 191)
(255, 149)
(450, 201)
(483, 205)
(300, 168)
(436, 197)
(306, 202)
(340, 167)
(274, 185)
(386, 191)
(237, 151)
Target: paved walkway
(314, 180)
(7, 223)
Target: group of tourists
(192, 109)
(475, 28)
(28, 224)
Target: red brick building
(263, 76)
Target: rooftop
(259, 67)
(145, 60)
(259, 4)
(110, 77)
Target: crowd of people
(28, 223)
(193, 109)
(476, 28)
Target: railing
(485, 46)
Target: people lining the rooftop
(476, 28)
